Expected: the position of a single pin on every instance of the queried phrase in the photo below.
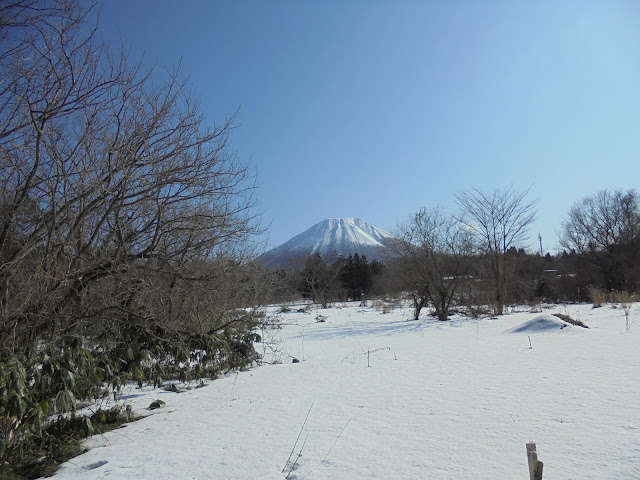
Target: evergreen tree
(357, 276)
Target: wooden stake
(535, 466)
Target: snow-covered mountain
(331, 238)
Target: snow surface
(333, 236)
(385, 397)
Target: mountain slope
(331, 238)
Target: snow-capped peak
(341, 231)
(334, 237)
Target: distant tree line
(321, 281)
(474, 260)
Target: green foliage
(59, 442)
(40, 386)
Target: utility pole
(540, 239)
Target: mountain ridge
(331, 238)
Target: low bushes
(41, 384)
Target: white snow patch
(394, 398)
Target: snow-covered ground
(380, 396)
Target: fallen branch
(570, 320)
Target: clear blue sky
(374, 108)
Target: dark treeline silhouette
(322, 281)
(564, 277)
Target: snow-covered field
(431, 400)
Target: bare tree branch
(605, 228)
(434, 253)
(499, 219)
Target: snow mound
(542, 323)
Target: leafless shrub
(477, 311)
(625, 300)
(598, 297)
(535, 306)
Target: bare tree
(605, 228)
(434, 252)
(113, 188)
(106, 173)
(499, 219)
(318, 280)
(123, 219)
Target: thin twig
(336, 440)
(233, 387)
(295, 462)
(331, 448)
(294, 445)
(347, 357)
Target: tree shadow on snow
(374, 328)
